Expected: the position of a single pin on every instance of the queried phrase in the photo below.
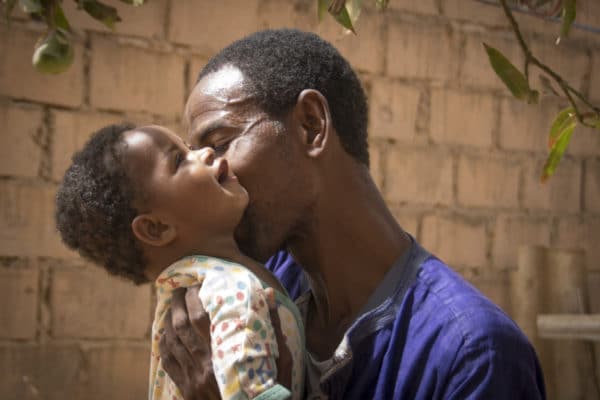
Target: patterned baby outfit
(243, 342)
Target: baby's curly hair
(94, 205)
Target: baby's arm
(242, 339)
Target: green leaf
(60, 20)
(569, 13)
(135, 3)
(381, 4)
(54, 53)
(108, 15)
(31, 6)
(563, 120)
(344, 18)
(511, 76)
(354, 8)
(558, 149)
(322, 7)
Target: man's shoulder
(447, 301)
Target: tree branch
(530, 59)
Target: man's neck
(346, 250)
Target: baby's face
(190, 189)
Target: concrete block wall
(455, 156)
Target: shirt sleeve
(500, 366)
(242, 337)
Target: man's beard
(247, 237)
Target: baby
(139, 202)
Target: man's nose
(206, 155)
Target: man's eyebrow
(207, 130)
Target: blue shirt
(425, 334)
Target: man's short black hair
(94, 205)
(279, 64)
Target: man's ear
(150, 230)
(314, 118)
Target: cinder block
(458, 242)
(475, 67)
(20, 80)
(393, 110)
(514, 231)
(147, 20)
(118, 371)
(588, 13)
(365, 50)
(475, 12)
(585, 142)
(20, 152)
(27, 220)
(569, 61)
(52, 372)
(71, 131)
(89, 303)
(129, 78)
(462, 118)
(19, 293)
(408, 220)
(593, 281)
(581, 233)
(196, 65)
(592, 186)
(487, 182)
(201, 23)
(526, 126)
(493, 283)
(561, 193)
(595, 76)
(418, 176)
(417, 6)
(423, 51)
(276, 14)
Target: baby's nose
(207, 155)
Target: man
(384, 319)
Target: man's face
(221, 114)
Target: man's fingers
(174, 344)
(169, 362)
(197, 314)
(197, 346)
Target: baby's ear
(150, 230)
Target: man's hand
(185, 346)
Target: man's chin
(247, 243)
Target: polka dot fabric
(242, 338)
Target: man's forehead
(220, 95)
(227, 84)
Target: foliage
(515, 80)
(518, 83)
(54, 53)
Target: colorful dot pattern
(242, 338)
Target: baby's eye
(178, 160)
